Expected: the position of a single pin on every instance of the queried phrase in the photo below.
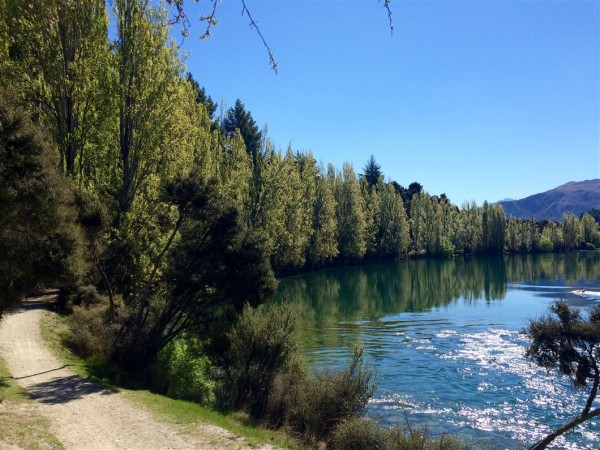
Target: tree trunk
(542, 444)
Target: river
(444, 338)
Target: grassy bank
(186, 414)
(21, 425)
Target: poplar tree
(323, 244)
(59, 61)
(352, 238)
(417, 225)
(372, 202)
(393, 227)
(513, 241)
(158, 116)
(589, 230)
(571, 229)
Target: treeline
(126, 118)
(137, 140)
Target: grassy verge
(179, 412)
(20, 424)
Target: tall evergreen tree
(202, 97)
(39, 239)
(372, 171)
(238, 118)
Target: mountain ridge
(574, 197)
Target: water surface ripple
(445, 338)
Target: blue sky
(478, 99)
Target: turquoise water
(444, 337)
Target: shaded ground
(83, 414)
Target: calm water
(444, 338)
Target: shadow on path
(33, 374)
(66, 389)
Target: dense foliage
(40, 241)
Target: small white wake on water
(587, 294)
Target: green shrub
(408, 438)
(182, 371)
(447, 247)
(545, 245)
(358, 434)
(91, 333)
(262, 345)
(319, 403)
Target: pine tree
(238, 118)
(372, 172)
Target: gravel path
(84, 415)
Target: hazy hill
(574, 197)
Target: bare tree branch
(386, 5)
(210, 19)
(253, 24)
(180, 17)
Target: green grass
(187, 414)
(20, 423)
(9, 389)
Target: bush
(447, 247)
(262, 345)
(182, 371)
(91, 334)
(316, 405)
(358, 434)
(545, 245)
(79, 296)
(400, 438)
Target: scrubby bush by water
(365, 434)
(262, 345)
(265, 377)
(314, 405)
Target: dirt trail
(84, 415)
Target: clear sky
(480, 99)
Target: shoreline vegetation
(164, 227)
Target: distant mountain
(575, 197)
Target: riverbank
(76, 413)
